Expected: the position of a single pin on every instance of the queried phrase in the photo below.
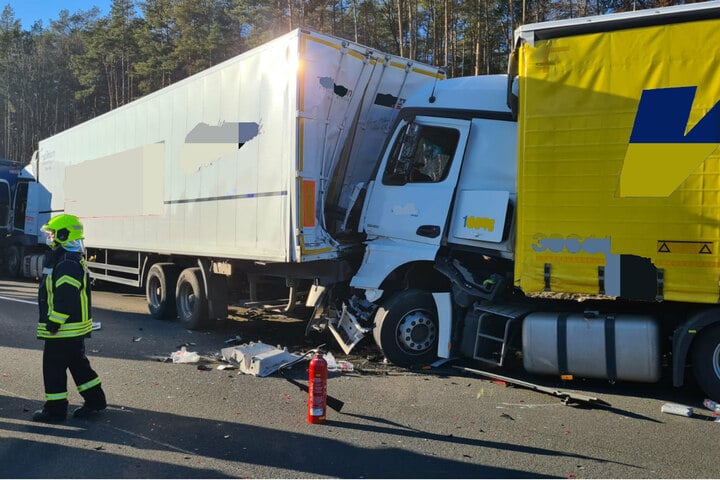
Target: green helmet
(64, 228)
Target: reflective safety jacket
(64, 296)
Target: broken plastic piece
(711, 405)
(183, 356)
(96, 325)
(258, 359)
(677, 409)
(337, 365)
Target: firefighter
(65, 321)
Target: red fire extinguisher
(317, 389)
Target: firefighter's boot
(52, 412)
(94, 402)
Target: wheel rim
(154, 291)
(716, 361)
(416, 332)
(187, 300)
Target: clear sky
(28, 11)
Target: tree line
(83, 64)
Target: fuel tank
(593, 345)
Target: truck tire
(706, 361)
(406, 328)
(14, 261)
(191, 300)
(160, 290)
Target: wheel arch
(419, 275)
(684, 336)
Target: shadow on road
(241, 447)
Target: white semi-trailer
(253, 168)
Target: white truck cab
(447, 179)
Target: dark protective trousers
(61, 355)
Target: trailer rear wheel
(13, 260)
(191, 300)
(706, 361)
(406, 328)
(160, 290)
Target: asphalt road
(170, 420)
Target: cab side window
(421, 154)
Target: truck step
(496, 328)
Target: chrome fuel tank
(622, 347)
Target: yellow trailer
(618, 174)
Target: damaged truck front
(568, 212)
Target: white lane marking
(18, 300)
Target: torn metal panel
(347, 331)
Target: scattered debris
(204, 368)
(183, 356)
(226, 367)
(567, 397)
(712, 406)
(334, 365)
(258, 359)
(235, 339)
(677, 409)
(96, 325)
(136, 339)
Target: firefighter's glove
(53, 327)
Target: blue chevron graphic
(663, 114)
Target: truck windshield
(421, 154)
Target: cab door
(411, 196)
(4, 206)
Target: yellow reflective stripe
(49, 291)
(71, 334)
(84, 301)
(57, 317)
(88, 385)
(67, 330)
(69, 280)
(56, 396)
(69, 327)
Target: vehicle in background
(24, 207)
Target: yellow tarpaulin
(619, 173)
